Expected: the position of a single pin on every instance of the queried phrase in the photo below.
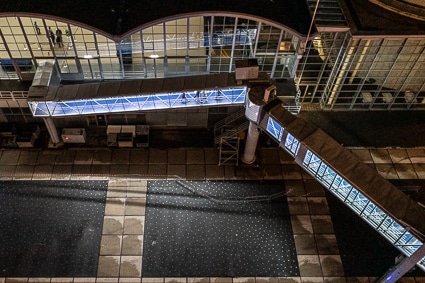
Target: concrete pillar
(51, 128)
(251, 144)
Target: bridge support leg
(251, 144)
(397, 271)
(51, 128)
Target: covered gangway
(389, 211)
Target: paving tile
(285, 157)
(42, 172)
(175, 280)
(309, 265)
(135, 206)
(131, 266)
(80, 170)
(195, 156)
(249, 173)
(62, 280)
(100, 170)
(363, 154)
(380, 156)
(405, 171)
(65, 157)
(24, 172)
(138, 169)
(134, 225)
(195, 172)
(110, 245)
(301, 224)
(399, 155)
(28, 157)
(115, 206)
(322, 224)
(113, 225)
(157, 171)
(83, 157)
(16, 280)
(334, 279)
(46, 157)
(198, 280)
(136, 189)
(305, 244)
(307, 279)
(407, 280)
(211, 156)
(84, 280)
(386, 170)
(312, 279)
(289, 279)
(139, 156)
(269, 155)
(132, 245)
(298, 205)
(416, 155)
(10, 157)
(318, 205)
(214, 172)
(357, 279)
(115, 191)
(62, 172)
(118, 169)
(153, 280)
(266, 280)
(106, 280)
(272, 172)
(420, 170)
(176, 170)
(244, 280)
(102, 156)
(291, 172)
(129, 280)
(108, 266)
(176, 156)
(38, 279)
(230, 172)
(313, 188)
(157, 156)
(295, 188)
(120, 156)
(221, 280)
(331, 265)
(327, 244)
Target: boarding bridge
(384, 207)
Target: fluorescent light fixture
(154, 56)
(87, 56)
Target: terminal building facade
(175, 68)
(341, 55)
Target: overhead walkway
(390, 212)
(135, 95)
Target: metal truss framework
(156, 101)
(389, 228)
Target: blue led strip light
(222, 96)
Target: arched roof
(118, 17)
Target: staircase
(226, 136)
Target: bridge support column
(397, 271)
(251, 144)
(51, 128)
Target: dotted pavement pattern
(218, 228)
(50, 228)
